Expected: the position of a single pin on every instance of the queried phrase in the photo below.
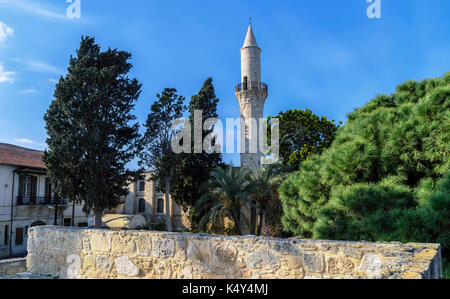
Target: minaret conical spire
(250, 40)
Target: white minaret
(251, 94)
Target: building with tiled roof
(20, 156)
(28, 198)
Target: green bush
(364, 211)
(446, 269)
(386, 175)
(430, 221)
(302, 196)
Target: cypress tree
(193, 170)
(91, 133)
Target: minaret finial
(250, 19)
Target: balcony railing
(40, 201)
(254, 85)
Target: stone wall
(13, 266)
(89, 253)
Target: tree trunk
(55, 221)
(237, 219)
(261, 217)
(73, 214)
(253, 218)
(98, 219)
(167, 197)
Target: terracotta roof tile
(19, 156)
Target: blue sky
(325, 55)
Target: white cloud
(6, 77)
(24, 141)
(29, 90)
(34, 9)
(38, 66)
(5, 32)
(28, 143)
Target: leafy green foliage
(364, 211)
(228, 191)
(90, 129)
(158, 154)
(446, 269)
(193, 170)
(302, 134)
(303, 195)
(265, 193)
(157, 151)
(385, 177)
(430, 221)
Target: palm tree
(229, 190)
(266, 184)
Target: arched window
(142, 186)
(141, 208)
(160, 206)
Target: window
(6, 241)
(48, 190)
(19, 236)
(67, 221)
(141, 208)
(27, 186)
(27, 189)
(82, 224)
(245, 87)
(142, 186)
(160, 206)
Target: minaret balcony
(254, 85)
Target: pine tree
(386, 175)
(91, 132)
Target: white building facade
(27, 199)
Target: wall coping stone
(55, 251)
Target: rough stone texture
(13, 266)
(107, 254)
(163, 248)
(25, 275)
(263, 259)
(124, 266)
(340, 265)
(104, 263)
(314, 262)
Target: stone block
(144, 245)
(100, 242)
(104, 263)
(123, 246)
(263, 259)
(225, 254)
(314, 262)
(163, 248)
(340, 265)
(125, 267)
